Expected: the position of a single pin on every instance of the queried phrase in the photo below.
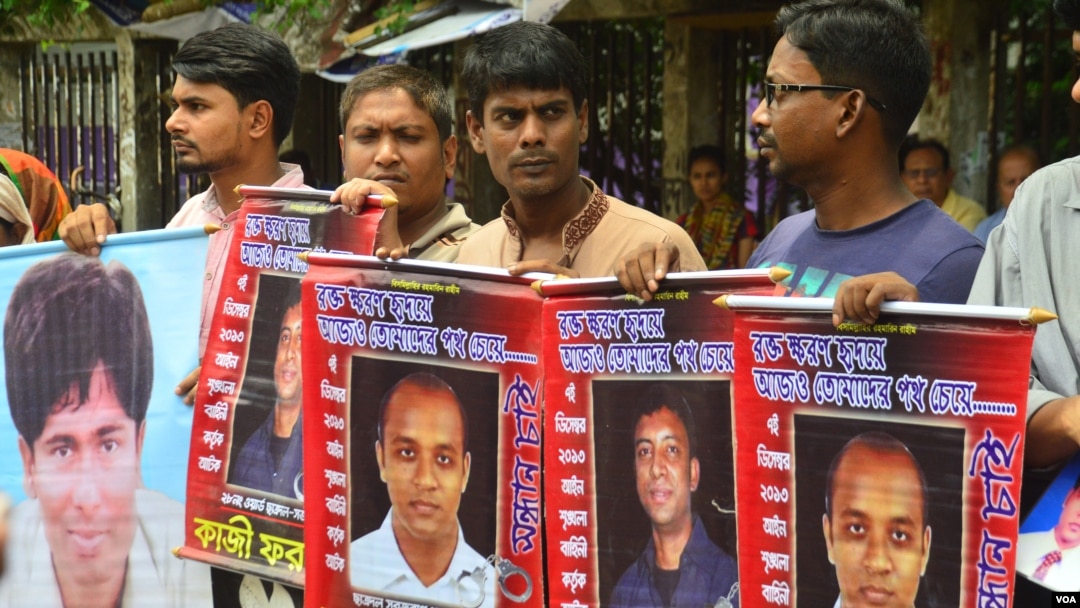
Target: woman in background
(723, 230)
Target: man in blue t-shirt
(836, 108)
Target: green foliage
(294, 8)
(1022, 119)
(41, 13)
(400, 11)
(45, 13)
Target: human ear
(449, 149)
(476, 132)
(261, 119)
(379, 458)
(583, 122)
(27, 454)
(826, 529)
(468, 468)
(851, 110)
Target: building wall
(959, 33)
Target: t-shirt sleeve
(950, 281)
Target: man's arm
(1053, 430)
(84, 230)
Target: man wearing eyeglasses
(924, 165)
(836, 108)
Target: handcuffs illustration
(504, 568)
(725, 602)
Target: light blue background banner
(169, 265)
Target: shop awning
(445, 22)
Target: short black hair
(426, 91)
(524, 53)
(429, 382)
(710, 152)
(912, 144)
(1069, 11)
(67, 314)
(877, 46)
(883, 443)
(290, 298)
(662, 395)
(250, 63)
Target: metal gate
(624, 152)
(69, 102)
(1033, 68)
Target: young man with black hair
(529, 116)
(89, 534)
(422, 450)
(837, 105)
(272, 458)
(233, 99)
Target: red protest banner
(637, 427)
(422, 450)
(245, 507)
(878, 464)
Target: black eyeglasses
(771, 88)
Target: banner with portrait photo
(879, 464)
(1048, 550)
(637, 427)
(94, 440)
(422, 448)
(245, 478)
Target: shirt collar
(394, 561)
(698, 540)
(293, 177)
(575, 231)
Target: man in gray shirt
(1031, 260)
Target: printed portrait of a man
(270, 457)
(1048, 550)
(79, 367)
(885, 499)
(433, 474)
(664, 496)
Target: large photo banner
(879, 464)
(423, 446)
(245, 509)
(93, 440)
(1048, 550)
(638, 455)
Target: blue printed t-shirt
(920, 243)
